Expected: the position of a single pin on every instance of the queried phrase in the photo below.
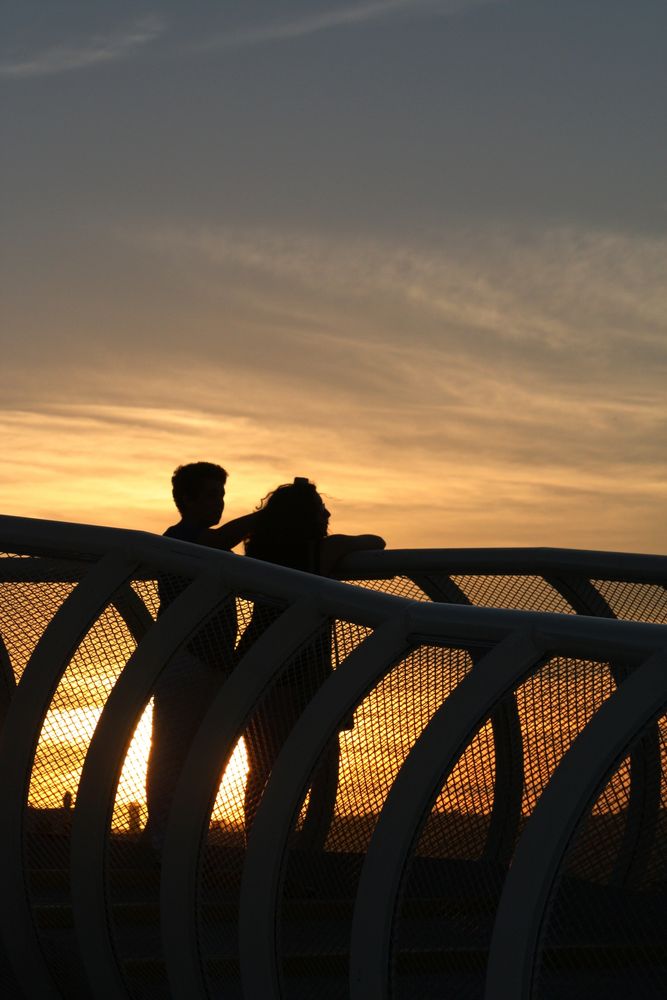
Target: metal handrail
(116, 556)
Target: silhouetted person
(290, 529)
(193, 676)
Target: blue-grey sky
(415, 249)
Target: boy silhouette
(193, 676)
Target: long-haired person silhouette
(290, 529)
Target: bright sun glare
(132, 784)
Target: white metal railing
(506, 646)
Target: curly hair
(290, 517)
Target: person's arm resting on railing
(334, 548)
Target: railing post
(431, 759)
(282, 798)
(198, 783)
(101, 771)
(581, 773)
(19, 740)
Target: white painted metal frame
(289, 779)
(423, 773)
(99, 778)
(208, 757)
(19, 739)
(7, 682)
(284, 793)
(309, 602)
(574, 786)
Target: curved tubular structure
(210, 752)
(428, 797)
(284, 794)
(571, 792)
(99, 777)
(430, 761)
(7, 682)
(134, 613)
(20, 733)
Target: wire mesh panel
(320, 885)
(460, 856)
(603, 938)
(168, 723)
(452, 883)
(640, 602)
(554, 705)
(32, 589)
(63, 742)
(234, 807)
(147, 591)
(529, 593)
(399, 586)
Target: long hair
(290, 521)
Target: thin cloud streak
(549, 290)
(483, 391)
(337, 18)
(90, 52)
(111, 464)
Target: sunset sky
(413, 249)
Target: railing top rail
(584, 636)
(623, 566)
(46, 538)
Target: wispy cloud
(90, 51)
(337, 17)
(549, 291)
(496, 389)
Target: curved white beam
(583, 770)
(7, 682)
(36, 536)
(582, 596)
(57, 544)
(587, 563)
(101, 771)
(509, 780)
(284, 793)
(133, 611)
(644, 802)
(22, 727)
(426, 767)
(209, 754)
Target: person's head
(292, 512)
(198, 490)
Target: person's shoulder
(184, 532)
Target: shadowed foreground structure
(492, 826)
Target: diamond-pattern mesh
(554, 705)
(64, 739)
(637, 602)
(182, 695)
(606, 929)
(31, 591)
(265, 732)
(453, 878)
(398, 586)
(318, 895)
(525, 593)
(455, 875)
